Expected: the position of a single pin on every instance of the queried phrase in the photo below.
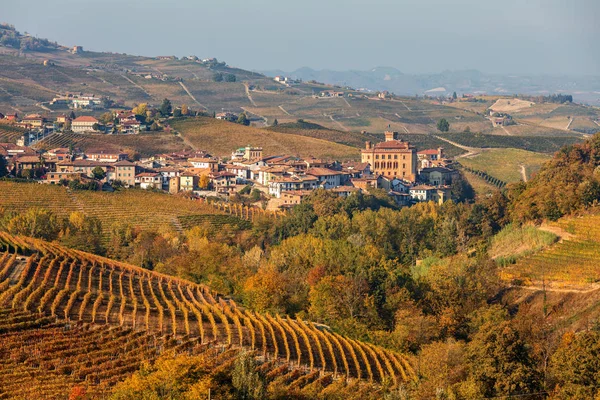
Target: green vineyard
(45, 286)
(574, 261)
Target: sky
(555, 37)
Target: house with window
(84, 124)
(437, 176)
(105, 155)
(223, 182)
(286, 183)
(123, 171)
(327, 178)
(149, 180)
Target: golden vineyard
(70, 316)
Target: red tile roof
(86, 118)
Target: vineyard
(46, 286)
(9, 133)
(573, 262)
(146, 144)
(138, 208)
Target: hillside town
(279, 181)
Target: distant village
(279, 181)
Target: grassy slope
(572, 263)
(221, 138)
(145, 144)
(505, 164)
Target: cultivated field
(221, 138)
(138, 208)
(507, 165)
(142, 306)
(145, 144)
(574, 262)
(510, 105)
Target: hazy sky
(420, 36)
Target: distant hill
(462, 81)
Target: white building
(83, 124)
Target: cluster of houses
(38, 126)
(406, 174)
(78, 101)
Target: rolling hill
(221, 138)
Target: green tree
(243, 119)
(166, 108)
(245, 378)
(454, 96)
(218, 77)
(500, 362)
(106, 118)
(275, 123)
(230, 78)
(177, 113)
(3, 166)
(575, 366)
(95, 127)
(98, 173)
(35, 222)
(443, 125)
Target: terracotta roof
(123, 163)
(85, 118)
(428, 151)
(422, 187)
(393, 144)
(148, 174)
(322, 172)
(27, 159)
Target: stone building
(393, 158)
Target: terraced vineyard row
(9, 133)
(42, 358)
(75, 286)
(573, 262)
(60, 140)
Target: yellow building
(393, 158)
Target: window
(403, 165)
(389, 156)
(395, 156)
(377, 156)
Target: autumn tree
(140, 110)
(500, 362)
(106, 118)
(267, 291)
(575, 366)
(35, 222)
(185, 109)
(204, 182)
(338, 297)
